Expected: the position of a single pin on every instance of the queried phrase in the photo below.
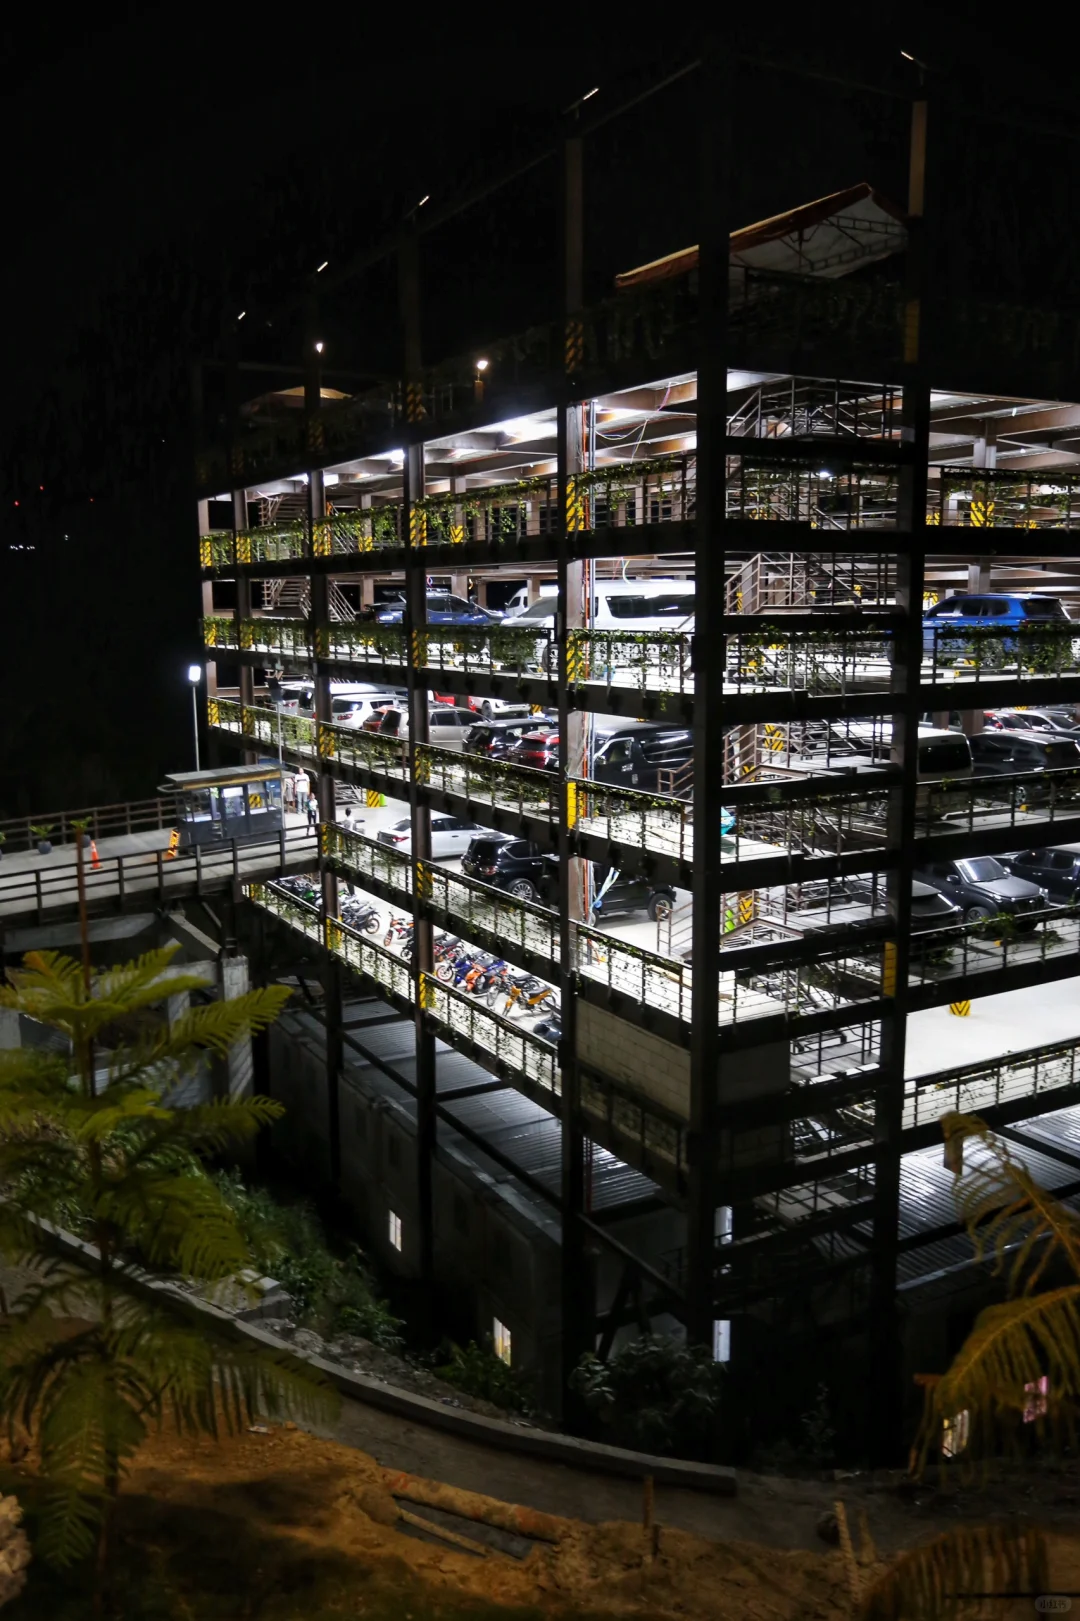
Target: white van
(630, 605)
(520, 599)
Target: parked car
(630, 605)
(357, 708)
(988, 611)
(633, 754)
(1010, 753)
(446, 726)
(1055, 869)
(538, 749)
(983, 888)
(450, 836)
(630, 893)
(488, 708)
(653, 758)
(495, 738)
(517, 865)
(1031, 720)
(443, 608)
(931, 910)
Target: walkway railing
(359, 951)
(520, 925)
(368, 858)
(986, 1085)
(487, 782)
(101, 822)
(149, 876)
(519, 1050)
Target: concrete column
(577, 1291)
(884, 1391)
(706, 1079)
(10, 1032)
(420, 820)
(237, 1078)
(246, 675)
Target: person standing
(303, 789)
(312, 812)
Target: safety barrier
(149, 877)
(519, 1050)
(487, 782)
(98, 822)
(978, 1087)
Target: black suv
(638, 754)
(628, 893)
(517, 865)
(493, 739)
(1005, 753)
(1056, 869)
(645, 756)
(983, 888)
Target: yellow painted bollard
(961, 1009)
(375, 800)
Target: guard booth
(215, 807)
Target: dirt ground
(278, 1524)
(280, 1511)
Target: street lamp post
(194, 675)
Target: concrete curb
(591, 1456)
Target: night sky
(167, 167)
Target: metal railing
(368, 858)
(1049, 647)
(359, 951)
(778, 657)
(503, 1040)
(987, 1085)
(854, 496)
(995, 498)
(314, 739)
(1043, 934)
(152, 876)
(287, 636)
(646, 661)
(1027, 801)
(101, 822)
(645, 976)
(488, 782)
(517, 924)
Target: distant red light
(16, 503)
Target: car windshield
(983, 871)
(663, 605)
(944, 755)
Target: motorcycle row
(477, 973)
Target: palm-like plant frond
(1010, 1217)
(937, 1581)
(997, 1371)
(113, 1151)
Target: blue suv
(442, 609)
(998, 611)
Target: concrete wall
(660, 1071)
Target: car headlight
(1044, 894)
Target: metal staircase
(289, 597)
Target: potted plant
(82, 834)
(41, 833)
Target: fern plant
(96, 1132)
(1020, 1365)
